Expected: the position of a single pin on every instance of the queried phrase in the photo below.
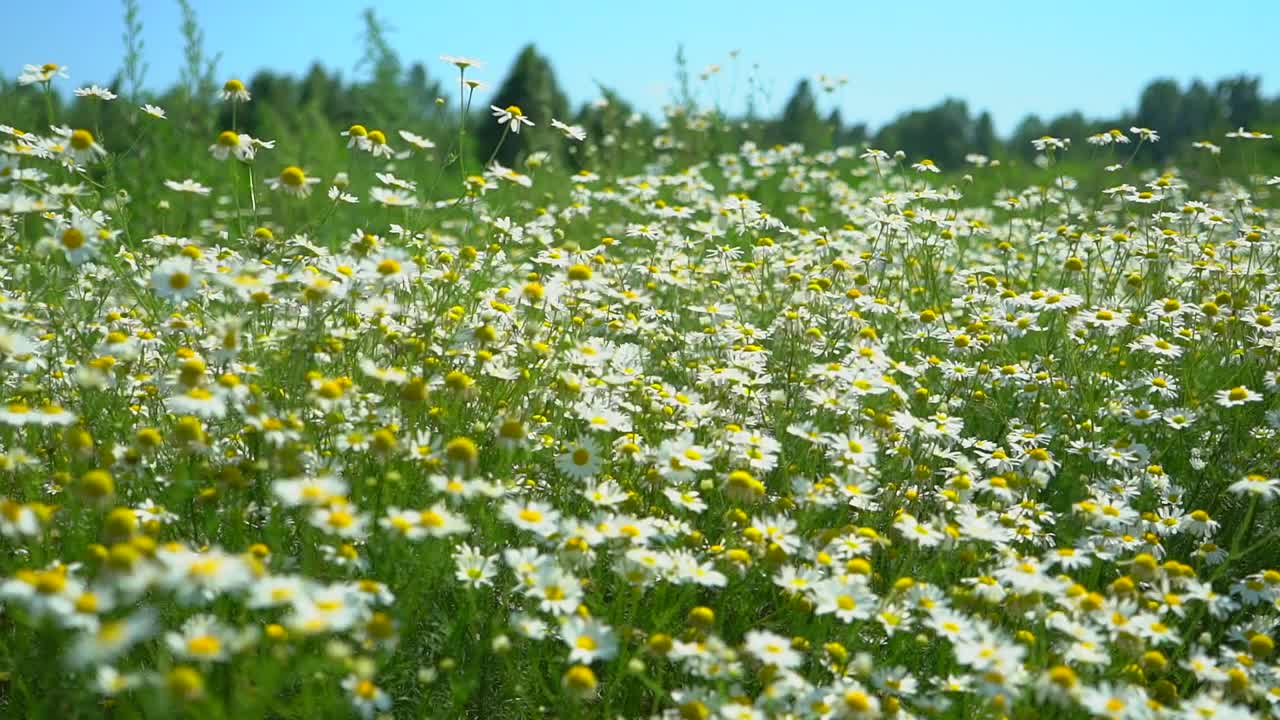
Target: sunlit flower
(511, 116)
(292, 181)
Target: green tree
(1201, 114)
(1241, 100)
(1159, 108)
(422, 92)
(984, 135)
(382, 96)
(1030, 128)
(943, 133)
(800, 121)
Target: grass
(770, 433)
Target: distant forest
(298, 112)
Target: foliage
(317, 412)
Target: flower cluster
(782, 434)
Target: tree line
(297, 111)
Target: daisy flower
(473, 567)
(439, 521)
(234, 90)
(771, 649)
(80, 145)
(95, 91)
(416, 140)
(187, 186)
(1261, 486)
(536, 517)
(1238, 395)
(203, 638)
(589, 640)
(357, 136)
(111, 639)
(78, 239)
(573, 132)
(292, 181)
(511, 116)
(462, 63)
(32, 74)
(368, 699)
(581, 459)
(231, 143)
(176, 279)
(388, 197)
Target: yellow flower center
(72, 239)
(204, 645)
(50, 582)
(293, 176)
(857, 701)
(203, 568)
(82, 140)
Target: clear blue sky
(1011, 58)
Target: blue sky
(1011, 58)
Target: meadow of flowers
(781, 433)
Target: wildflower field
(368, 427)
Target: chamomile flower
(96, 92)
(573, 132)
(461, 62)
(581, 459)
(229, 143)
(187, 186)
(111, 639)
(1235, 396)
(78, 238)
(389, 197)
(771, 649)
(80, 145)
(511, 116)
(203, 638)
(176, 279)
(589, 640)
(474, 568)
(234, 91)
(533, 516)
(32, 74)
(416, 141)
(292, 181)
(367, 698)
(1260, 486)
